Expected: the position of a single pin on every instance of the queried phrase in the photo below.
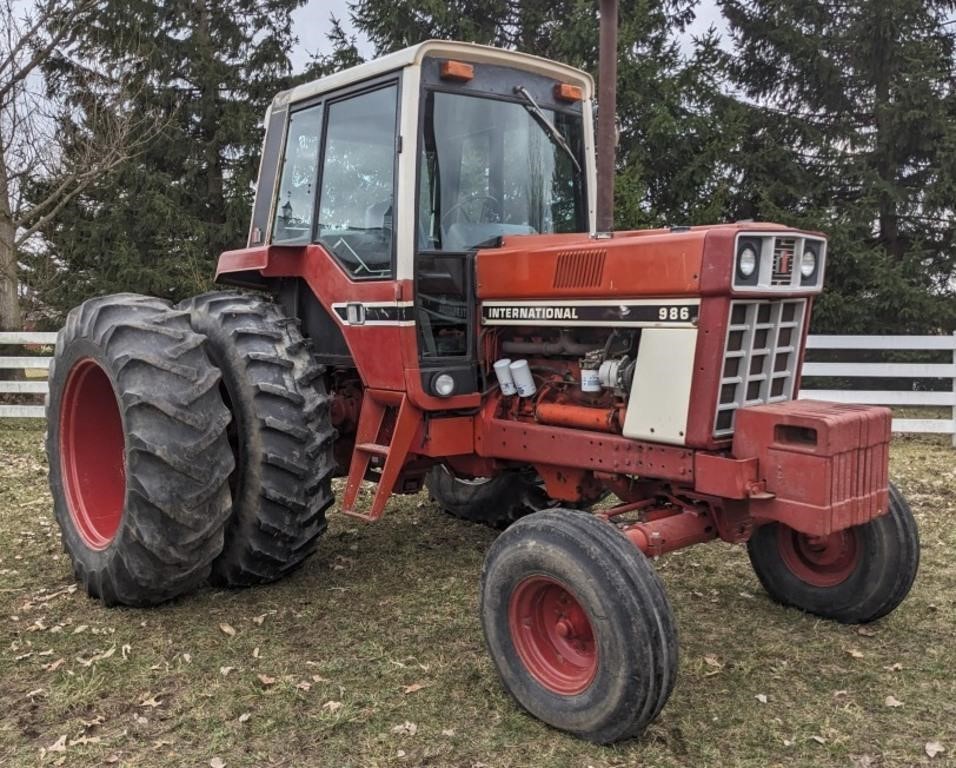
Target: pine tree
(206, 71)
(851, 110)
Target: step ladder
(369, 445)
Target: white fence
(911, 373)
(35, 368)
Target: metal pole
(954, 390)
(607, 110)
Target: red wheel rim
(92, 452)
(552, 634)
(821, 561)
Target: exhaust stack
(607, 109)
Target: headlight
(808, 263)
(747, 261)
(443, 385)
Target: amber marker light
(457, 70)
(568, 92)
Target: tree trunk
(11, 318)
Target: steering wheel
(459, 208)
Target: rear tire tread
(284, 485)
(144, 562)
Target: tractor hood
(680, 261)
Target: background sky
(312, 24)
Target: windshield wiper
(547, 126)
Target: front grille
(760, 356)
(784, 254)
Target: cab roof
(414, 55)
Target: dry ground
(372, 655)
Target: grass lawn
(372, 655)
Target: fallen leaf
(60, 745)
(332, 706)
(224, 671)
(266, 680)
(414, 687)
(98, 720)
(933, 748)
(127, 650)
(150, 701)
(892, 701)
(244, 717)
(54, 665)
(23, 656)
(819, 739)
(140, 720)
(787, 743)
(712, 661)
(35, 692)
(227, 629)
(80, 628)
(448, 732)
(894, 667)
(866, 632)
(217, 762)
(318, 679)
(187, 658)
(160, 743)
(855, 653)
(85, 740)
(304, 686)
(255, 652)
(761, 697)
(407, 728)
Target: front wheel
(578, 625)
(493, 501)
(854, 576)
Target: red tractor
(427, 301)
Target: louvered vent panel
(579, 269)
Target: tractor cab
(400, 169)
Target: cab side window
(357, 197)
(295, 202)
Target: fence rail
(914, 372)
(33, 367)
(36, 366)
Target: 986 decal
(674, 313)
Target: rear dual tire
(280, 434)
(138, 456)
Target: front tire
(281, 436)
(853, 576)
(578, 625)
(493, 501)
(137, 450)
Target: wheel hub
(92, 454)
(821, 561)
(553, 636)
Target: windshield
(490, 168)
